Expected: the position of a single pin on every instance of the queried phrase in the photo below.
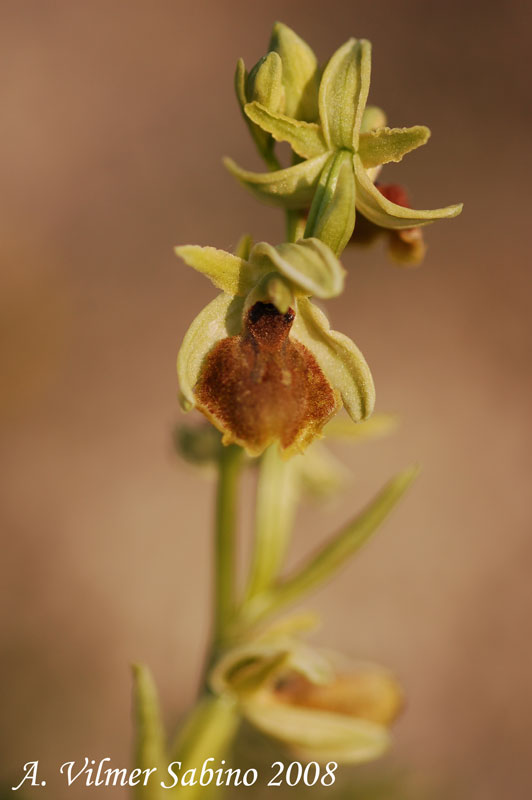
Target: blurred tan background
(114, 118)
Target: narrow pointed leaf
(290, 188)
(308, 264)
(332, 215)
(318, 735)
(343, 93)
(383, 212)
(305, 138)
(341, 548)
(227, 272)
(150, 748)
(340, 359)
(383, 145)
(300, 73)
(221, 318)
(341, 427)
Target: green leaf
(265, 84)
(305, 138)
(289, 188)
(341, 547)
(150, 747)
(227, 272)
(343, 93)
(300, 73)
(332, 214)
(383, 212)
(340, 359)
(308, 264)
(342, 427)
(317, 735)
(373, 117)
(218, 320)
(383, 145)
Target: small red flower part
(405, 245)
(260, 385)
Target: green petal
(264, 83)
(383, 145)
(229, 273)
(243, 247)
(218, 320)
(274, 289)
(373, 117)
(249, 667)
(318, 735)
(290, 188)
(308, 264)
(340, 359)
(150, 748)
(332, 214)
(263, 141)
(343, 93)
(300, 73)
(381, 211)
(305, 138)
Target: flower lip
(261, 385)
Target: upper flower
(260, 361)
(339, 144)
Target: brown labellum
(261, 385)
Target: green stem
(226, 514)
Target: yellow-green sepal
(332, 214)
(340, 359)
(315, 735)
(221, 318)
(264, 84)
(228, 272)
(292, 187)
(309, 265)
(382, 145)
(343, 93)
(375, 207)
(300, 73)
(305, 138)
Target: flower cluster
(339, 143)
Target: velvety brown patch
(261, 386)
